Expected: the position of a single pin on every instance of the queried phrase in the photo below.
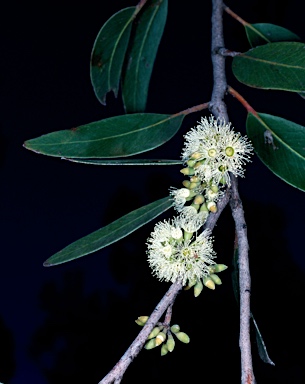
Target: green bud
(204, 208)
(143, 319)
(175, 328)
(199, 199)
(139, 322)
(186, 183)
(194, 179)
(212, 207)
(164, 350)
(214, 188)
(222, 181)
(193, 185)
(170, 343)
(198, 164)
(208, 282)
(198, 288)
(191, 162)
(215, 278)
(188, 171)
(196, 155)
(161, 337)
(187, 235)
(219, 267)
(196, 206)
(183, 337)
(154, 333)
(150, 344)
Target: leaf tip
(47, 264)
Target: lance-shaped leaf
(262, 33)
(279, 144)
(127, 162)
(117, 136)
(140, 58)
(262, 350)
(111, 233)
(272, 66)
(108, 53)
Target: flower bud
(183, 337)
(154, 333)
(191, 162)
(215, 278)
(208, 282)
(150, 344)
(142, 319)
(187, 235)
(198, 288)
(188, 171)
(186, 183)
(196, 206)
(161, 337)
(139, 322)
(204, 208)
(219, 267)
(214, 188)
(212, 207)
(164, 350)
(193, 185)
(175, 328)
(170, 343)
(196, 155)
(199, 199)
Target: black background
(72, 322)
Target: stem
(235, 16)
(196, 108)
(242, 101)
(219, 109)
(117, 372)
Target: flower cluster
(211, 152)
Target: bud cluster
(162, 335)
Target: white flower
(180, 196)
(173, 259)
(217, 149)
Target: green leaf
(127, 162)
(272, 66)
(140, 58)
(262, 33)
(108, 53)
(111, 233)
(262, 350)
(279, 144)
(118, 136)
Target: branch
(244, 284)
(219, 110)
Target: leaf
(108, 53)
(272, 66)
(279, 144)
(127, 162)
(118, 136)
(140, 58)
(262, 350)
(262, 33)
(110, 233)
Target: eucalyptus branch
(219, 109)
(117, 372)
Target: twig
(218, 108)
(244, 284)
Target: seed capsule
(183, 337)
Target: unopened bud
(208, 282)
(212, 207)
(188, 171)
(198, 288)
(164, 350)
(204, 208)
(175, 328)
(170, 343)
(183, 337)
(194, 179)
(193, 185)
(214, 188)
(196, 155)
(154, 332)
(187, 235)
(186, 183)
(196, 206)
(143, 319)
(219, 267)
(161, 337)
(199, 199)
(215, 278)
(150, 344)
(139, 322)
(191, 162)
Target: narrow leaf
(262, 33)
(272, 66)
(127, 162)
(140, 58)
(111, 233)
(118, 136)
(262, 350)
(108, 53)
(279, 144)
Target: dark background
(72, 322)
